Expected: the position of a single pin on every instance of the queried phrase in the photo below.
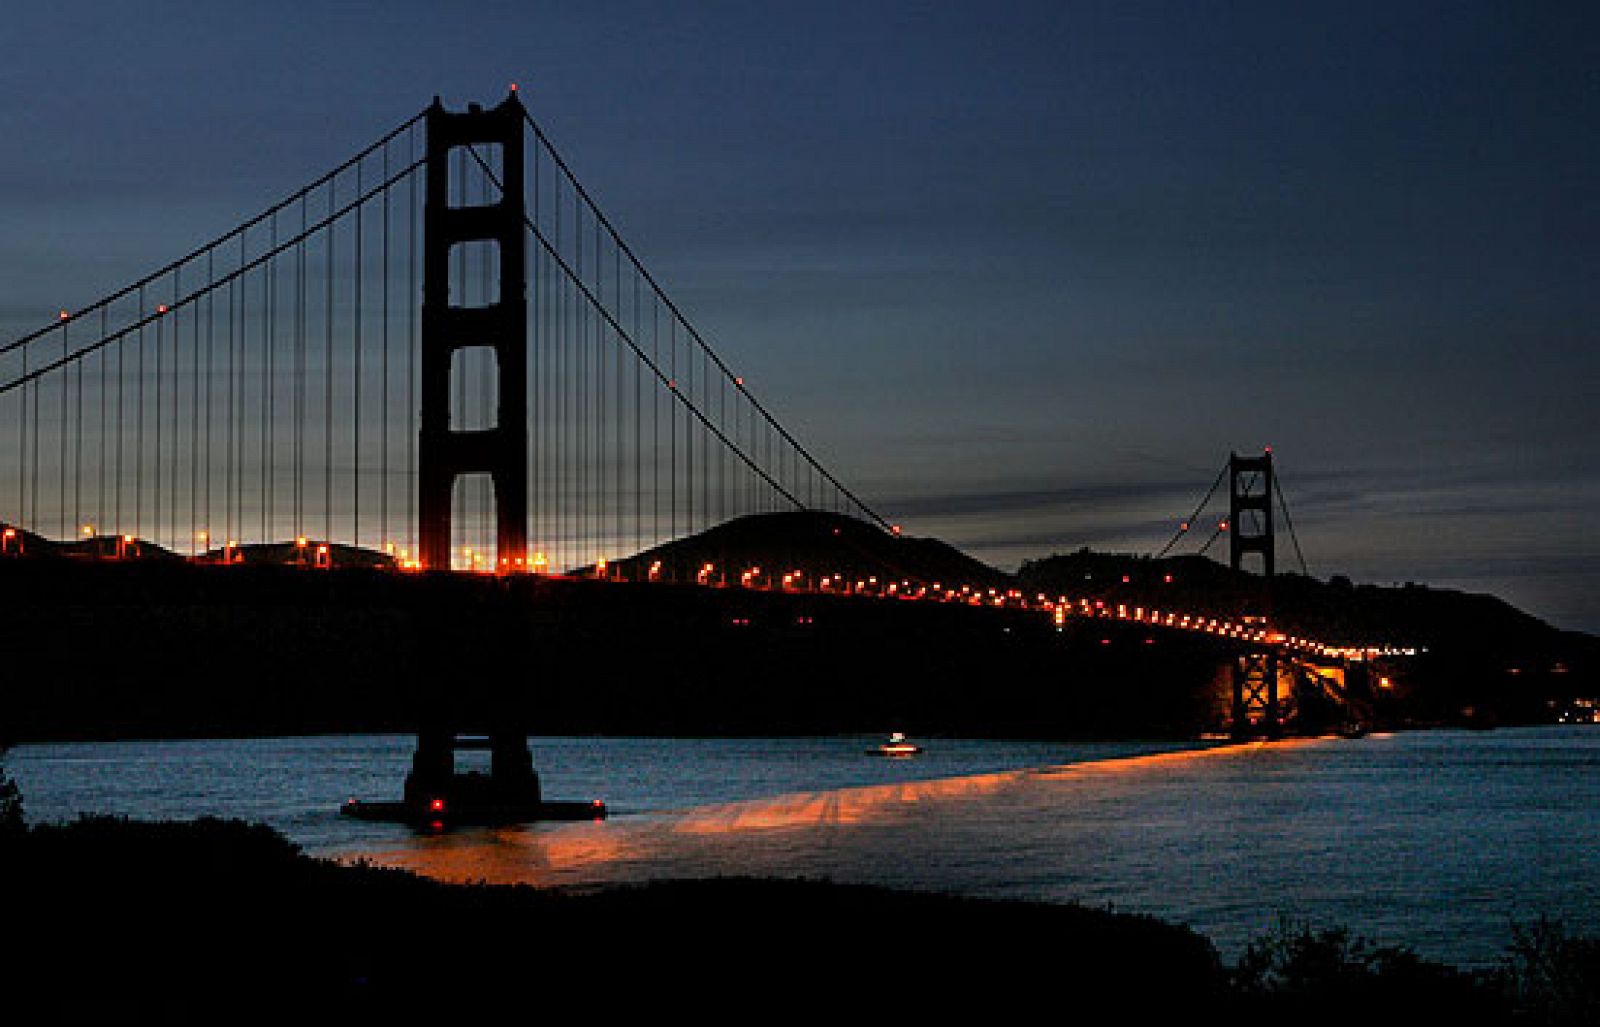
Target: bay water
(1437, 840)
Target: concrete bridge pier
(434, 784)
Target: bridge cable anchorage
(677, 315)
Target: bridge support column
(1257, 712)
(434, 786)
(448, 325)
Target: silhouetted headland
(268, 644)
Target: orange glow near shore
(730, 837)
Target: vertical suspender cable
(105, 363)
(358, 301)
(383, 406)
(61, 511)
(22, 445)
(25, 514)
(1289, 523)
(211, 381)
(600, 417)
(194, 423)
(232, 470)
(328, 375)
(138, 434)
(299, 405)
(268, 281)
(672, 425)
(177, 356)
(412, 299)
(536, 407)
(33, 475)
(638, 435)
(655, 423)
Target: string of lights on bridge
(1061, 609)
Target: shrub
(1329, 975)
(1552, 977)
(11, 820)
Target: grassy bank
(218, 921)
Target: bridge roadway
(1255, 632)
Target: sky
(1022, 274)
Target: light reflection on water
(1438, 840)
(298, 784)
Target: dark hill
(128, 547)
(1476, 650)
(818, 545)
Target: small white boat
(896, 746)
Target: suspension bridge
(441, 355)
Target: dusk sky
(1022, 274)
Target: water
(1436, 840)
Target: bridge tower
(1250, 492)
(1257, 710)
(444, 453)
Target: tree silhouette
(11, 822)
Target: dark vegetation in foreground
(220, 921)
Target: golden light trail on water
(728, 838)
